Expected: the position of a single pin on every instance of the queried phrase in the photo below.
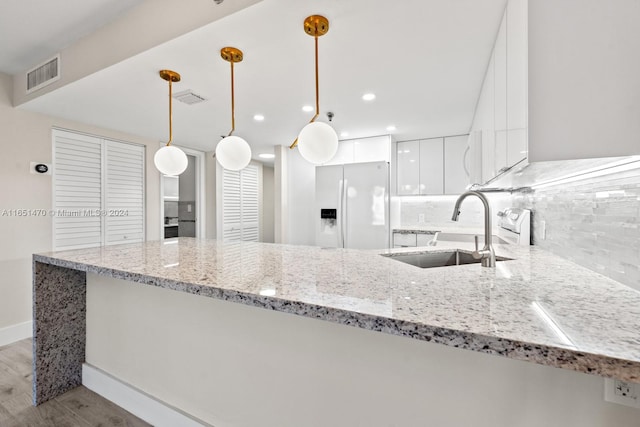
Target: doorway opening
(182, 201)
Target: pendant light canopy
(317, 141)
(233, 153)
(170, 160)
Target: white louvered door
(124, 193)
(98, 190)
(231, 206)
(249, 200)
(77, 184)
(240, 210)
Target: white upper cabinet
(500, 122)
(362, 150)
(456, 175)
(408, 168)
(584, 79)
(516, 81)
(500, 77)
(432, 166)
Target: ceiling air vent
(188, 97)
(43, 74)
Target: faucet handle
(475, 239)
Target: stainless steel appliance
(514, 226)
(352, 206)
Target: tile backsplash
(437, 210)
(592, 222)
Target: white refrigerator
(352, 206)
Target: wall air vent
(43, 74)
(188, 97)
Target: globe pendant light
(170, 160)
(233, 153)
(317, 141)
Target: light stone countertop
(537, 307)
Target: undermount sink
(439, 259)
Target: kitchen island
(535, 308)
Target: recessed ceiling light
(391, 128)
(344, 134)
(266, 156)
(307, 108)
(369, 96)
(258, 117)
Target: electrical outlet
(543, 230)
(420, 217)
(621, 392)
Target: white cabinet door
(408, 168)
(374, 149)
(431, 166)
(500, 152)
(500, 76)
(516, 81)
(362, 150)
(456, 177)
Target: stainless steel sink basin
(439, 259)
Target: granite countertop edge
(544, 354)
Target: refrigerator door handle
(341, 222)
(345, 207)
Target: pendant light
(233, 153)
(317, 141)
(170, 160)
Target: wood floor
(78, 407)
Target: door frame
(201, 228)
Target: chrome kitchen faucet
(487, 255)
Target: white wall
(268, 207)
(301, 194)
(26, 137)
(584, 90)
(211, 191)
(238, 366)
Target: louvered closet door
(77, 183)
(124, 193)
(231, 206)
(240, 210)
(249, 200)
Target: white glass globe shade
(233, 153)
(170, 160)
(318, 143)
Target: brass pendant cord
(232, 55)
(170, 114)
(171, 77)
(317, 89)
(233, 103)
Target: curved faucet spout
(487, 253)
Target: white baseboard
(139, 403)
(14, 333)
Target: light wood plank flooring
(78, 407)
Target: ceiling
(424, 59)
(32, 31)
